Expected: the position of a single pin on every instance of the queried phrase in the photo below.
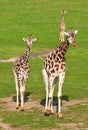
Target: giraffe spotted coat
(54, 68)
(21, 71)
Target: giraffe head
(71, 34)
(63, 12)
(29, 40)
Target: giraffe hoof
(52, 112)
(17, 107)
(47, 112)
(60, 115)
(22, 109)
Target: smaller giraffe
(62, 26)
(54, 69)
(21, 71)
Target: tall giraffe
(62, 26)
(53, 69)
(21, 71)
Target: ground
(10, 106)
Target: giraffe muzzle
(74, 44)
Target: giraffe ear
(66, 34)
(24, 39)
(76, 31)
(34, 39)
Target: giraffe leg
(45, 76)
(55, 80)
(17, 103)
(17, 90)
(22, 89)
(61, 80)
(22, 101)
(51, 90)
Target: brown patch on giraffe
(62, 66)
(56, 66)
(59, 55)
(52, 71)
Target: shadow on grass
(55, 101)
(26, 97)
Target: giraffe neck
(27, 54)
(65, 47)
(62, 49)
(62, 18)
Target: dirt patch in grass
(4, 126)
(40, 54)
(9, 60)
(74, 102)
(9, 103)
(71, 126)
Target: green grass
(76, 79)
(40, 18)
(6, 80)
(18, 18)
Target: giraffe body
(21, 71)
(54, 68)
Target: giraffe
(62, 26)
(54, 68)
(21, 71)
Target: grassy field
(41, 18)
